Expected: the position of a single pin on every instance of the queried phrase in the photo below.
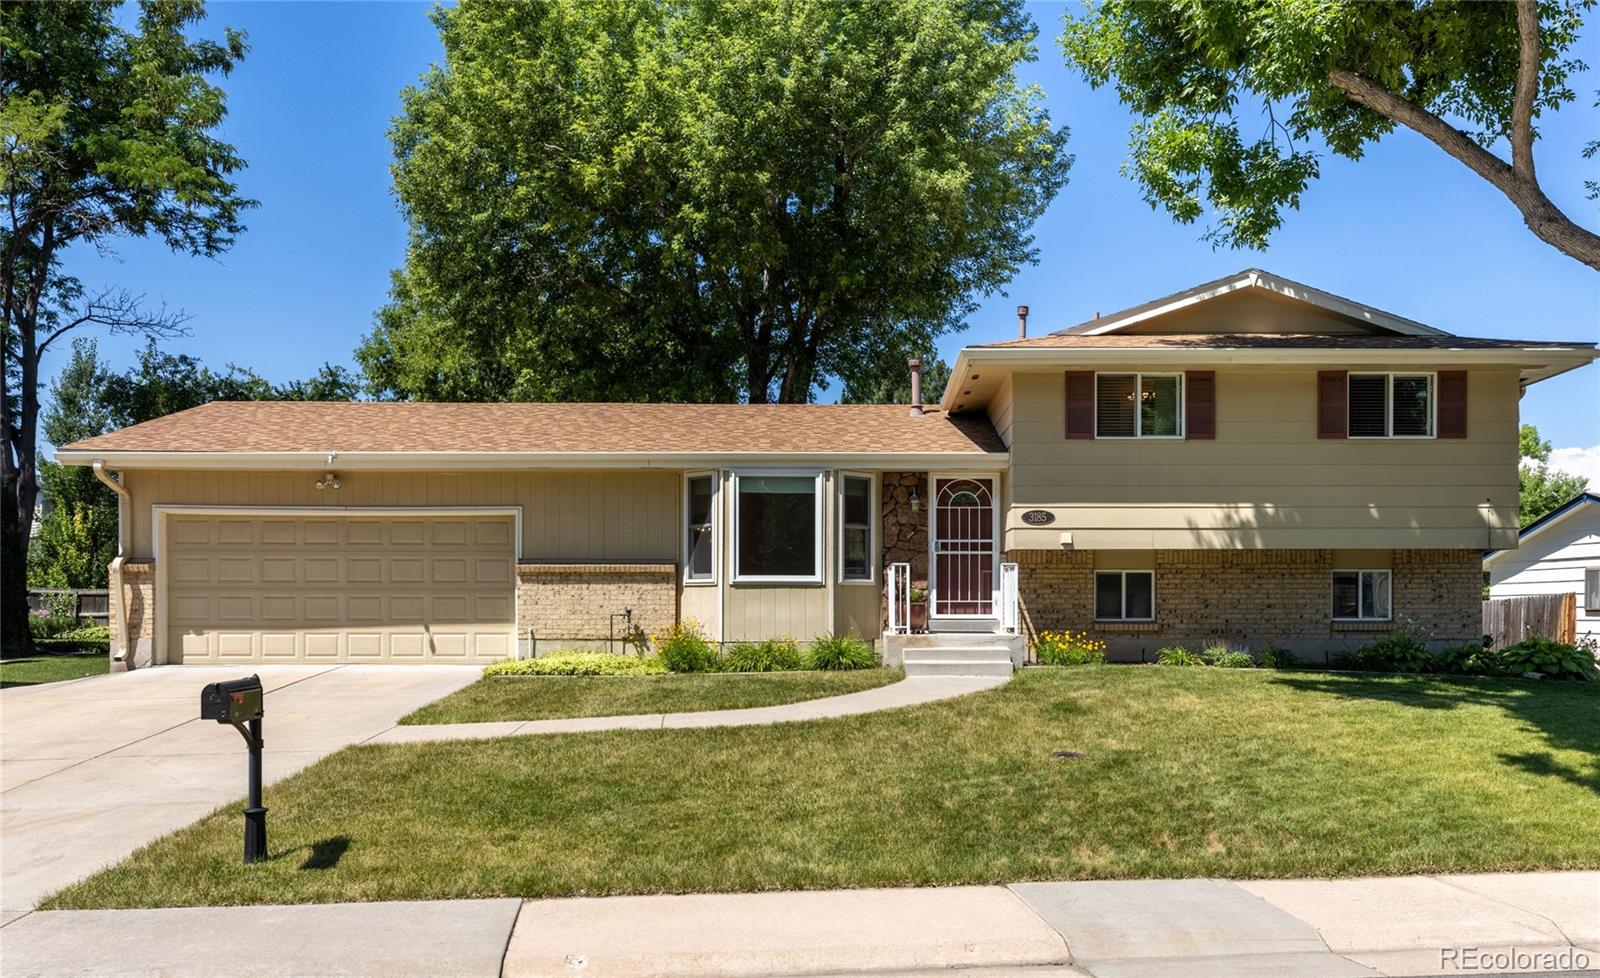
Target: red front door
(963, 547)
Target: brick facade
(1255, 597)
(571, 604)
(139, 597)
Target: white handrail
(898, 585)
(1009, 611)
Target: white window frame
(1138, 395)
(1388, 404)
(820, 555)
(1123, 602)
(716, 529)
(1591, 592)
(872, 526)
(1388, 577)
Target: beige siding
(1266, 480)
(858, 609)
(1000, 411)
(762, 611)
(1250, 312)
(626, 515)
(702, 603)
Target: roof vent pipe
(915, 363)
(1022, 322)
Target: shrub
(841, 652)
(1551, 658)
(773, 655)
(682, 647)
(1470, 659)
(1233, 659)
(1273, 657)
(1399, 651)
(1177, 655)
(57, 619)
(1067, 648)
(578, 664)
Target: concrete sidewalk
(1519, 922)
(906, 692)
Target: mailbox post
(238, 702)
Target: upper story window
(700, 544)
(855, 528)
(777, 527)
(1391, 405)
(1138, 405)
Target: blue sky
(1407, 229)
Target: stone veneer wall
(139, 597)
(1281, 597)
(905, 533)
(571, 604)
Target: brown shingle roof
(291, 426)
(1269, 341)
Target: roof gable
(1548, 520)
(1253, 301)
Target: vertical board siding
(631, 515)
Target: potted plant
(919, 609)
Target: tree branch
(1541, 216)
(1527, 88)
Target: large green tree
(706, 200)
(78, 534)
(107, 128)
(1540, 489)
(1468, 76)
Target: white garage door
(339, 588)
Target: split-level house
(1252, 460)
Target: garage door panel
(340, 588)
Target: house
(1558, 554)
(1252, 459)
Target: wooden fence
(1510, 620)
(86, 604)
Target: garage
(347, 587)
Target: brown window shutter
(1333, 403)
(1452, 404)
(1200, 403)
(1080, 404)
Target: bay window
(700, 545)
(778, 527)
(855, 528)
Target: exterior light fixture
(329, 481)
(916, 500)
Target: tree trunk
(15, 636)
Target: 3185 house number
(1038, 517)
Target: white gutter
(123, 545)
(438, 461)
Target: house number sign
(1038, 517)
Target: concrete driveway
(92, 769)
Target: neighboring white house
(1560, 553)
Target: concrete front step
(965, 640)
(980, 625)
(958, 667)
(958, 653)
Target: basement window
(1361, 595)
(1124, 595)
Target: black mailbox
(238, 702)
(234, 701)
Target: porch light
(329, 481)
(916, 500)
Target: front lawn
(552, 697)
(1185, 772)
(54, 661)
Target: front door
(963, 578)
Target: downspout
(118, 595)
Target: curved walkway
(906, 692)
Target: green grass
(54, 660)
(550, 697)
(1188, 772)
